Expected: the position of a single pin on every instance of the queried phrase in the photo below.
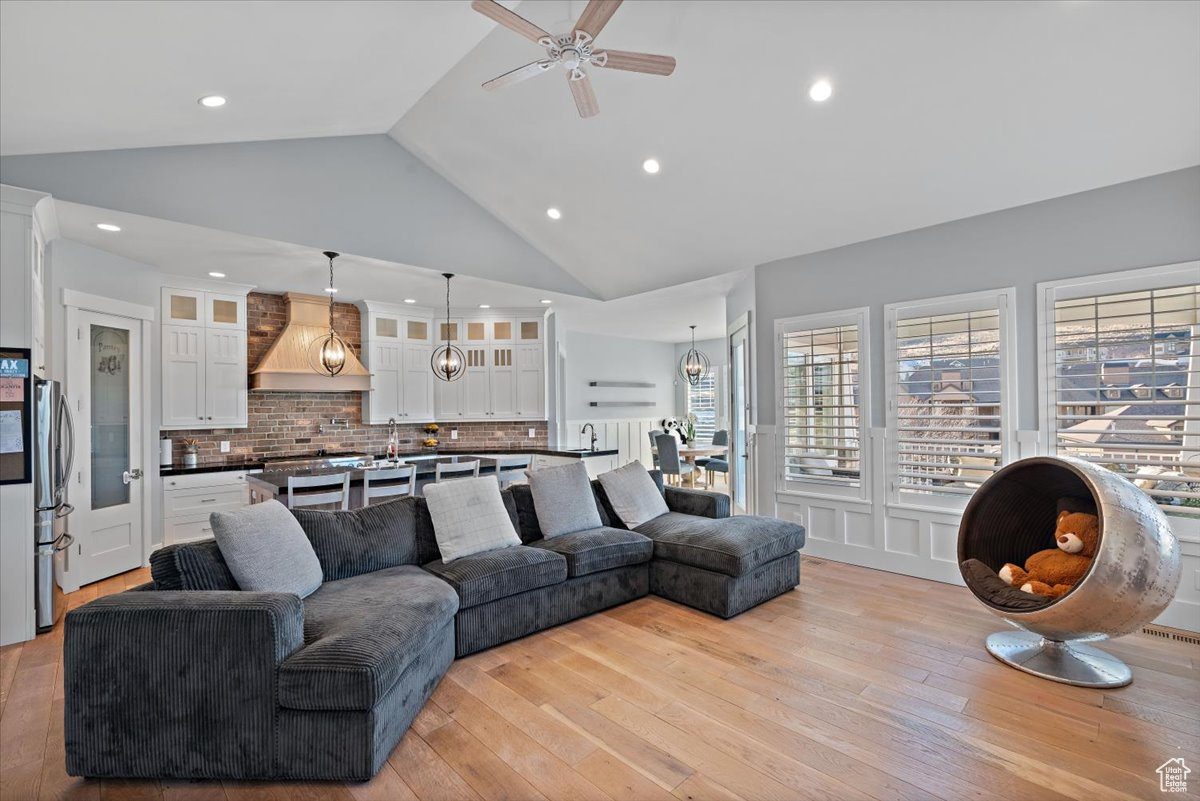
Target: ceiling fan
(572, 51)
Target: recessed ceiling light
(553, 213)
(410, 300)
(821, 91)
(547, 300)
(331, 290)
(485, 305)
(216, 275)
(651, 166)
(108, 227)
(212, 101)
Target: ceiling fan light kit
(573, 51)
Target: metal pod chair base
(1066, 662)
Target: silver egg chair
(1132, 578)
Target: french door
(105, 375)
(740, 473)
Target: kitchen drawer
(202, 500)
(188, 529)
(216, 479)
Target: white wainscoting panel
(631, 438)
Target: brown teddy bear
(1053, 572)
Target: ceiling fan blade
(634, 62)
(519, 74)
(510, 20)
(596, 16)
(585, 98)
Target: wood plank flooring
(858, 685)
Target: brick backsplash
(285, 423)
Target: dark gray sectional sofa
(188, 677)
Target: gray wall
(365, 195)
(1143, 223)
(592, 357)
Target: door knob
(131, 475)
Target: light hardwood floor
(858, 685)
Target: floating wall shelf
(636, 384)
(618, 404)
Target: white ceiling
(97, 74)
(940, 111)
(191, 251)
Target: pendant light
(448, 360)
(694, 365)
(331, 348)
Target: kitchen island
(271, 483)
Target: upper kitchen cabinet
(504, 375)
(203, 358)
(396, 349)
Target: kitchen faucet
(585, 427)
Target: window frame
(1048, 293)
(813, 486)
(1004, 302)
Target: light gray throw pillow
(469, 517)
(633, 494)
(266, 549)
(563, 499)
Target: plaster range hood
(286, 367)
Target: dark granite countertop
(233, 463)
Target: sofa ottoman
(723, 565)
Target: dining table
(690, 453)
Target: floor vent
(1172, 634)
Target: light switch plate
(532, 433)
(224, 446)
(454, 433)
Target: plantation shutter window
(702, 402)
(820, 408)
(949, 431)
(1125, 387)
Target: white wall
(1144, 223)
(86, 269)
(16, 500)
(592, 357)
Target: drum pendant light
(694, 365)
(331, 354)
(448, 360)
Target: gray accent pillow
(563, 499)
(469, 517)
(266, 549)
(634, 496)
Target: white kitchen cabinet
(189, 500)
(203, 353)
(183, 387)
(503, 382)
(397, 351)
(225, 377)
(529, 381)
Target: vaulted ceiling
(940, 110)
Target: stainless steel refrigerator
(53, 453)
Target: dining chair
(510, 469)
(389, 482)
(319, 490)
(668, 458)
(716, 464)
(655, 433)
(448, 471)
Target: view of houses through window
(820, 414)
(947, 424)
(1126, 387)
